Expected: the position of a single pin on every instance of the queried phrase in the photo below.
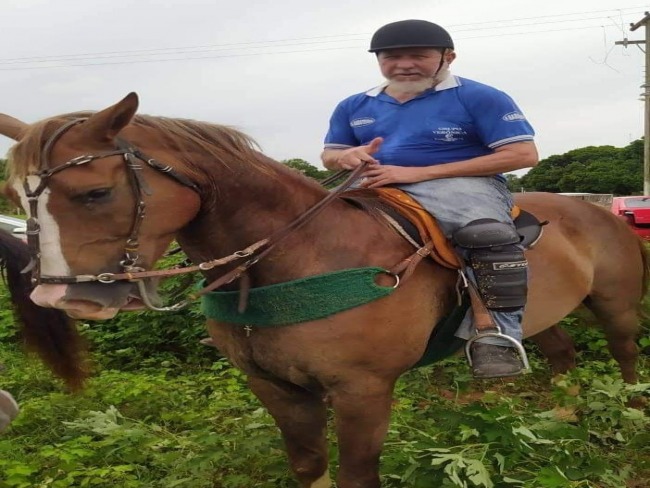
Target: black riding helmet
(410, 33)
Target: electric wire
(80, 60)
(237, 46)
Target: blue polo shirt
(456, 120)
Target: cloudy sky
(276, 69)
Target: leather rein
(135, 160)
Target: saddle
(418, 226)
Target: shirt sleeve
(340, 134)
(499, 121)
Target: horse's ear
(105, 125)
(11, 127)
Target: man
(446, 140)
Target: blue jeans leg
(508, 322)
(455, 202)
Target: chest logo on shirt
(362, 122)
(449, 134)
(513, 117)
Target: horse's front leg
(302, 418)
(362, 412)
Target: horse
(108, 191)
(46, 331)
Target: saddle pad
(426, 224)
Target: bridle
(130, 271)
(134, 160)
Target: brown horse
(218, 196)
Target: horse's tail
(47, 332)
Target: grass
(184, 418)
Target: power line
(557, 15)
(140, 61)
(600, 17)
(224, 47)
(168, 51)
(187, 47)
(356, 46)
(314, 40)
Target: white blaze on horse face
(53, 263)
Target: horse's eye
(98, 195)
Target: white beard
(410, 87)
(416, 87)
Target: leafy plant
(163, 410)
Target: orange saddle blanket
(425, 223)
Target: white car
(15, 226)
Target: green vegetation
(164, 411)
(307, 169)
(6, 206)
(592, 169)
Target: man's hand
(355, 156)
(377, 176)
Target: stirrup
(480, 335)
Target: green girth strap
(302, 300)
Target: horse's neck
(255, 205)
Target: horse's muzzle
(92, 301)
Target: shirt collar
(450, 81)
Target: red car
(636, 212)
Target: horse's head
(96, 205)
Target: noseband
(134, 160)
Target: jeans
(455, 202)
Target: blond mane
(221, 143)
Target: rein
(133, 159)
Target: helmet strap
(442, 62)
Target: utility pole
(644, 22)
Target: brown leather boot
(492, 361)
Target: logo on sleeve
(513, 117)
(362, 122)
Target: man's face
(412, 64)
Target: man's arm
(352, 157)
(509, 157)
(518, 155)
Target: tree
(307, 169)
(591, 169)
(514, 182)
